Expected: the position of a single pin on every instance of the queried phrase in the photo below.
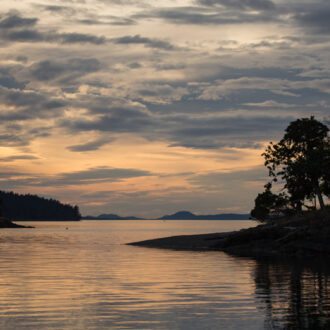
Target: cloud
(29, 35)
(48, 70)
(228, 131)
(72, 38)
(223, 88)
(8, 81)
(208, 131)
(160, 93)
(208, 16)
(85, 16)
(15, 28)
(84, 177)
(147, 42)
(102, 173)
(54, 9)
(18, 157)
(316, 20)
(26, 35)
(240, 4)
(13, 140)
(89, 146)
(270, 104)
(117, 122)
(24, 105)
(220, 180)
(15, 179)
(12, 21)
(107, 20)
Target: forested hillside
(32, 207)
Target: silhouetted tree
(302, 160)
(32, 207)
(268, 203)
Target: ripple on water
(84, 278)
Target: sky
(150, 107)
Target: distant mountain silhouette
(185, 215)
(182, 215)
(109, 217)
(32, 207)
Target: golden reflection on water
(85, 278)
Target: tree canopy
(301, 161)
(32, 207)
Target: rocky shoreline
(305, 236)
(5, 223)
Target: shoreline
(307, 236)
(6, 223)
(197, 242)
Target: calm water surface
(80, 275)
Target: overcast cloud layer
(156, 107)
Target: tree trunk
(319, 195)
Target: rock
(6, 223)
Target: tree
(302, 160)
(267, 204)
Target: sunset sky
(150, 107)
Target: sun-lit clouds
(150, 107)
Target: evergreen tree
(33, 207)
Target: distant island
(181, 215)
(109, 217)
(19, 207)
(186, 215)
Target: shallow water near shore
(81, 275)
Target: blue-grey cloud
(48, 70)
(187, 130)
(56, 9)
(134, 65)
(8, 81)
(240, 4)
(89, 176)
(90, 146)
(315, 20)
(119, 121)
(28, 105)
(13, 140)
(208, 16)
(11, 21)
(26, 35)
(228, 131)
(18, 157)
(15, 28)
(219, 180)
(147, 42)
(102, 173)
(73, 38)
(33, 35)
(107, 20)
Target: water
(80, 275)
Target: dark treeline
(32, 207)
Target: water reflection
(85, 278)
(294, 294)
